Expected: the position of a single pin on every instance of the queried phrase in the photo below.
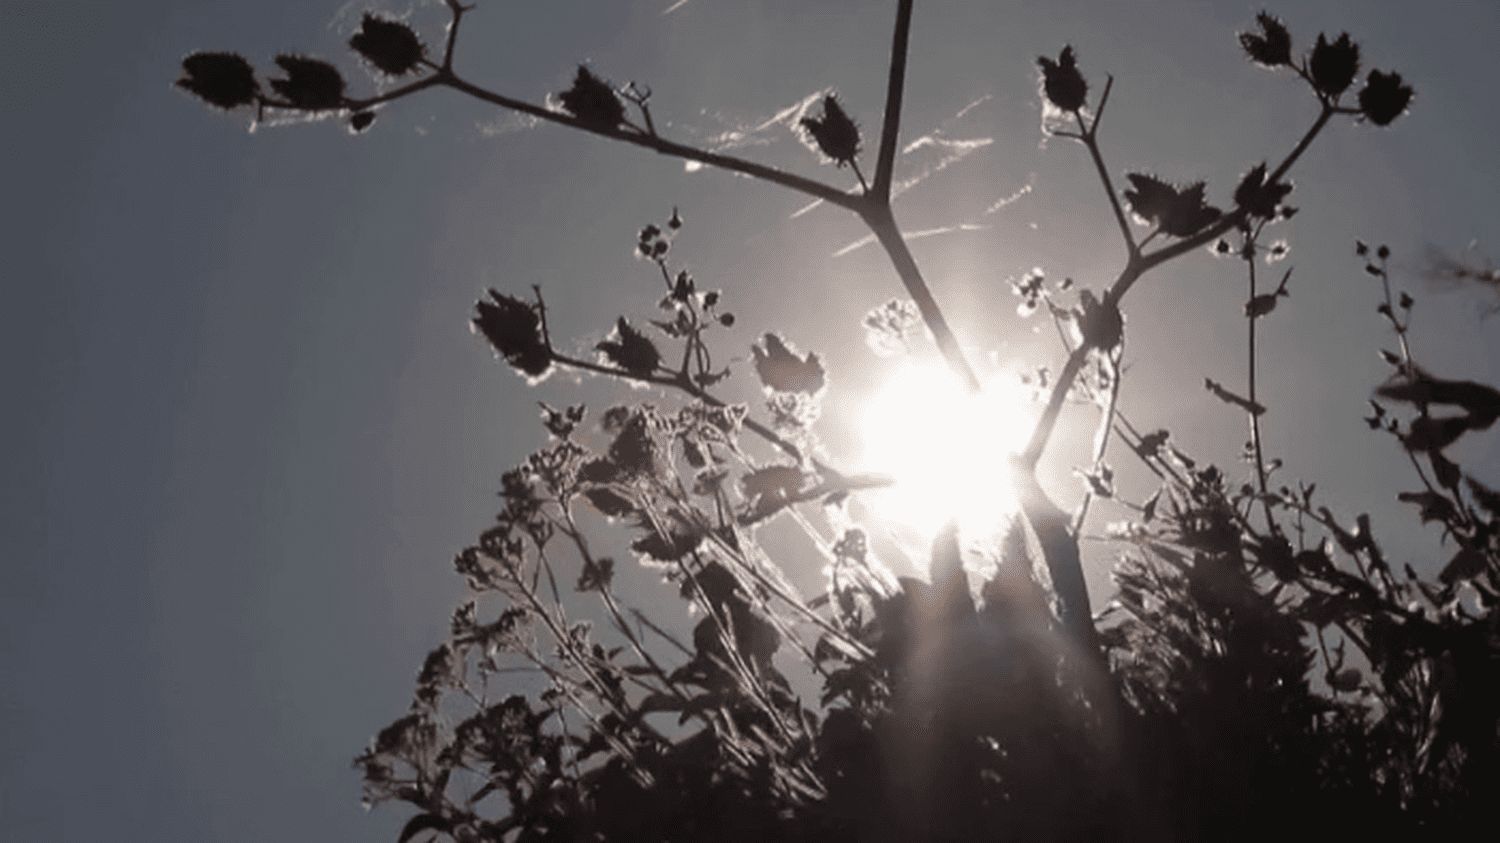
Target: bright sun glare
(947, 449)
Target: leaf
(1148, 509)
(310, 84)
(391, 46)
(1433, 506)
(1466, 564)
(770, 489)
(223, 80)
(514, 329)
(1384, 97)
(783, 371)
(1151, 444)
(1434, 433)
(680, 540)
(1062, 84)
(1261, 305)
(593, 101)
(835, 133)
(1258, 198)
(420, 823)
(1100, 322)
(1228, 397)
(1180, 212)
(1334, 64)
(631, 350)
(609, 503)
(775, 481)
(1481, 402)
(596, 574)
(1272, 46)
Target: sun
(947, 449)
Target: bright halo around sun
(947, 449)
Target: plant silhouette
(1261, 667)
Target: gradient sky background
(245, 426)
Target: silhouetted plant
(1262, 669)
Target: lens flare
(947, 449)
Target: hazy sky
(245, 426)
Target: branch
(800, 184)
(1135, 268)
(457, 11)
(1089, 136)
(891, 127)
(883, 225)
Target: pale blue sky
(246, 427)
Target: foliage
(1261, 667)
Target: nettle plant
(1261, 665)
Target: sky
(246, 426)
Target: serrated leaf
(631, 350)
(309, 83)
(783, 371)
(223, 80)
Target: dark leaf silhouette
(1334, 64)
(1228, 397)
(1272, 46)
(311, 84)
(1258, 198)
(596, 574)
(835, 133)
(631, 350)
(770, 489)
(1480, 402)
(1384, 97)
(1432, 506)
(1466, 564)
(783, 371)
(674, 541)
(1062, 83)
(223, 80)
(361, 120)
(1100, 322)
(514, 328)
(1434, 433)
(609, 503)
(593, 101)
(391, 46)
(1180, 212)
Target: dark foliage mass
(1262, 670)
